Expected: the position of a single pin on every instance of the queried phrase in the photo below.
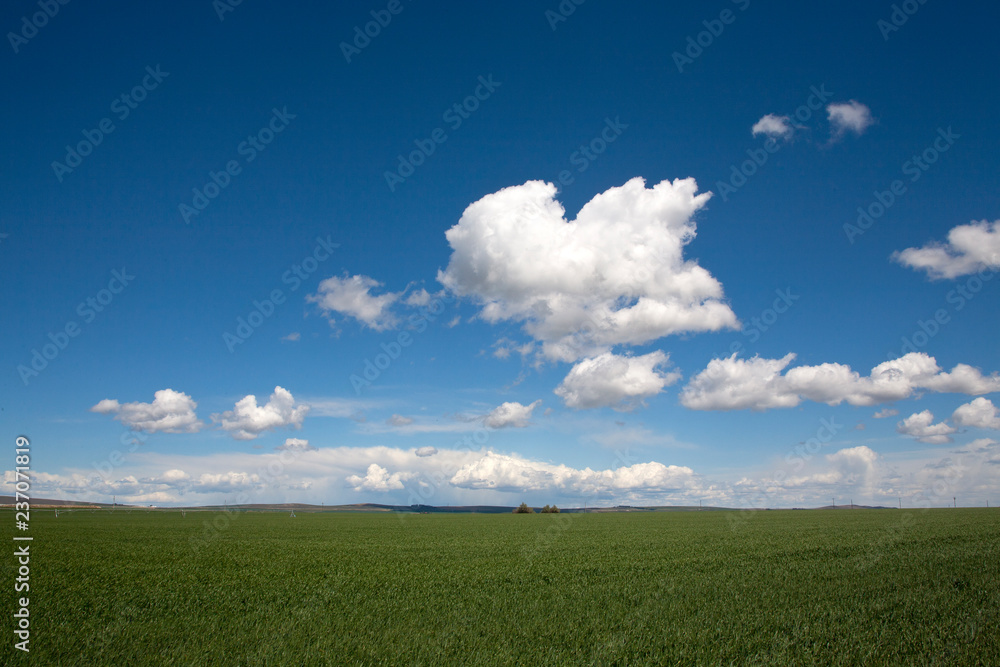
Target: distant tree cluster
(524, 509)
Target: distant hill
(8, 501)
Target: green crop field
(866, 587)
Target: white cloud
(352, 296)
(619, 382)
(170, 412)
(295, 445)
(350, 408)
(502, 472)
(886, 413)
(420, 297)
(980, 413)
(227, 482)
(248, 420)
(970, 248)
(921, 426)
(510, 415)
(377, 479)
(963, 379)
(776, 127)
(614, 275)
(399, 420)
(757, 383)
(426, 451)
(292, 337)
(849, 117)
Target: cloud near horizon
(758, 383)
(921, 426)
(247, 420)
(170, 412)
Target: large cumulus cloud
(614, 275)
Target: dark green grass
(779, 587)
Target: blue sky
(390, 190)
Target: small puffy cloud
(172, 477)
(420, 297)
(980, 413)
(618, 382)
(377, 479)
(776, 127)
(510, 414)
(615, 275)
(399, 420)
(921, 426)
(426, 451)
(248, 420)
(170, 412)
(292, 337)
(849, 117)
(295, 445)
(886, 413)
(758, 383)
(970, 248)
(352, 296)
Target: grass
(776, 588)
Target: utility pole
(852, 503)
(834, 503)
(900, 502)
(955, 500)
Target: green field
(779, 587)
